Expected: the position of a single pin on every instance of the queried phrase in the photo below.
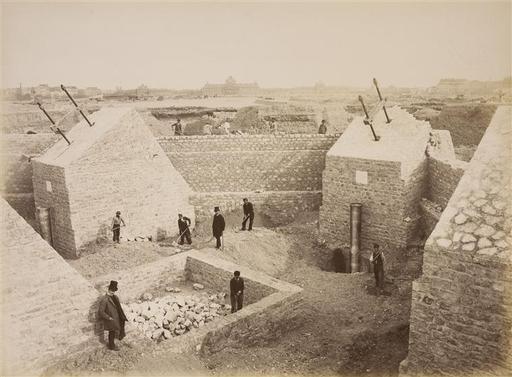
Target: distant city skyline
(286, 45)
(269, 88)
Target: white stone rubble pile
(170, 316)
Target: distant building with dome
(230, 88)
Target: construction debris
(172, 316)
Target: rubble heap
(170, 316)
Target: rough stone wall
(63, 234)
(45, 302)
(415, 188)
(444, 176)
(266, 320)
(199, 270)
(270, 305)
(16, 183)
(430, 213)
(461, 305)
(15, 154)
(384, 200)
(251, 162)
(279, 206)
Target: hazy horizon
(286, 45)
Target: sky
(185, 45)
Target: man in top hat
(236, 290)
(111, 314)
(218, 226)
(183, 225)
(248, 214)
(377, 258)
(117, 220)
(178, 130)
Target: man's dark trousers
(237, 301)
(111, 337)
(249, 217)
(116, 230)
(379, 275)
(185, 235)
(218, 241)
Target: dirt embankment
(466, 123)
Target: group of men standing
(218, 224)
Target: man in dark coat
(218, 226)
(183, 225)
(236, 289)
(323, 127)
(248, 214)
(111, 314)
(377, 258)
(178, 130)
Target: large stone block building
(461, 312)
(114, 165)
(388, 177)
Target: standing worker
(111, 314)
(218, 226)
(236, 289)
(323, 127)
(377, 258)
(183, 225)
(178, 130)
(248, 214)
(117, 220)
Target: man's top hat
(216, 209)
(113, 286)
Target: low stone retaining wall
(135, 281)
(270, 305)
(215, 274)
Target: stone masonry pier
(461, 315)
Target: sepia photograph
(265, 188)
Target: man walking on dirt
(377, 258)
(111, 314)
(178, 131)
(218, 226)
(248, 214)
(236, 289)
(183, 226)
(117, 220)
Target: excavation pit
(269, 304)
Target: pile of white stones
(170, 316)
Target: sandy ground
(345, 328)
(99, 259)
